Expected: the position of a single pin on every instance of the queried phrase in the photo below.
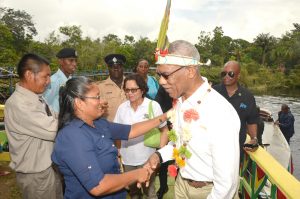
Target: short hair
(141, 83)
(31, 62)
(184, 48)
(76, 87)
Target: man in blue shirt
(67, 58)
(286, 122)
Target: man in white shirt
(205, 141)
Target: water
(274, 105)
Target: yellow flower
(180, 162)
(175, 153)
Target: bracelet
(159, 156)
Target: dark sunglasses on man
(229, 73)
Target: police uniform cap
(113, 59)
(66, 53)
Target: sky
(244, 19)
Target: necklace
(183, 136)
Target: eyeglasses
(132, 90)
(166, 76)
(230, 74)
(91, 97)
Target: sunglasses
(166, 76)
(132, 90)
(230, 74)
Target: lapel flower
(190, 115)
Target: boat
(267, 172)
(274, 142)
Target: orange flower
(190, 115)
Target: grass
(8, 185)
(10, 190)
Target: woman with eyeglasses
(84, 148)
(133, 151)
(142, 69)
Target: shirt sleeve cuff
(166, 152)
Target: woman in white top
(134, 153)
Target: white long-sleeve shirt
(214, 143)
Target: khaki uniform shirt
(30, 131)
(114, 96)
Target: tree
(129, 40)
(144, 48)
(8, 56)
(204, 45)
(73, 34)
(112, 38)
(21, 26)
(265, 42)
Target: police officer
(111, 88)
(67, 58)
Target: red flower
(172, 170)
(190, 115)
(159, 52)
(163, 53)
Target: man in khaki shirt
(111, 89)
(31, 129)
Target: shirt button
(113, 145)
(102, 136)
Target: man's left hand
(252, 145)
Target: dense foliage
(268, 63)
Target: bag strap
(150, 110)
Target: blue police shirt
(85, 154)
(52, 92)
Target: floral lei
(181, 153)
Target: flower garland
(181, 153)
